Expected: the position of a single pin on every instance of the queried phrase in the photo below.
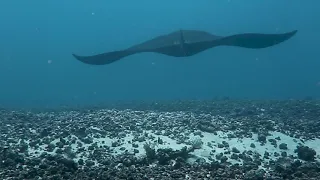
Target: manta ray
(184, 43)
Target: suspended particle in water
(49, 61)
(93, 13)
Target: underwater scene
(159, 90)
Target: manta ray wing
(255, 40)
(248, 40)
(104, 58)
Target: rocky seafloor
(218, 139)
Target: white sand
(204, 152)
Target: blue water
(37, 38)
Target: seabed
(217, 139)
